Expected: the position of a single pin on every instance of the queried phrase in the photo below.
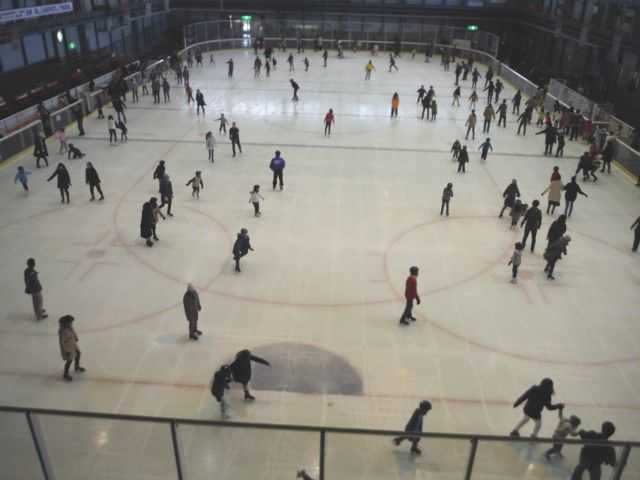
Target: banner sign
(32, 12)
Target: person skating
(588, 167)
(523, 121)
(463, 158)
(592, 457)
(120, 125)
(113, 135)
(565, 427)
(447, 194)
(234, 136)
(414, 426)
(99, 106)
(556, 230)
(92, 179)
(257, 66)
(392, 63)
(241, 370)
(220, 383)
(456, 97)
(40, 151)
(550, 137)
(515, 101)
(119, 106)
(267, 67)
(166, 193)
(306, 64)
(22, 176)
(455, 150)
(607, 156)
(189, 93)
(410, 294)
(515, 261)
(421, 93)
(368, 69)
(510, 194)
(532, 222)
(537, 398)
(295, 87)
(62, 138)
(325, 55)
(571, 191)
(68, 340)
(636, 234)
(329, 119)
(166, 90)
(395, 103)
(475, 75)
(490, 89)
(518, 210)
(254, 199)
(159, 172)
(241, 247)
(74, 152)
(33, 287)
(230, 68)
(196, 184)
(146, 223)
(554, 252)
(434, 110)
(555, 191)
(484, 149)
(473, 100)
(561, 142)
(210, 144)
(63, 181)
(277, 166)
(502, 114)
(498, 89)
(290, 62)
(200, 103)
(192, 307)
(489, 115)
(222, 128)
(457, 72)
(155, 90)
(471, 125)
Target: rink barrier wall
(34, 426)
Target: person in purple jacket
(277, 167)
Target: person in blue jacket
(277, 167)
(537, 398)
(414, 425)
(22, 177)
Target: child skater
(220, 383)
(455, 149)
(537, 398)
(516, 259)
(518, 210)
(123, 130)
(485, 147)
(22, 177)
(255, 198)
(210, 142)
(414, 425)
(566, 427)
(196, 184)
(74, 152)
(447, 193)
(113, 136)
(62, 138)
(223, 123)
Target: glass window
(434, 3)
(475, 3)
(10, 56)
(34, 47)
(453, 3)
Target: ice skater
(532, 222)
(241, 370)
(523, 121)
(515, 261)
(554, 252)
(295, 87)
(489, 115)
(392, 63)
(33, 287)
(537, 398)
(147, 223)
(159, 172)
(395, 103)
(222, 128)
(230, 68)
(329, 120)
(220, 383)
(290, 62)
(414, 426)
(196, 184)
(62, 138)
(473, 100)
(166, 193)
(410, 294)
(92, 179)
(74, 152)
(200, 103)
(325, 55)
(518, 210)
(254, 199)
(510, 194)
(22, 176)
(306, 64)
(447, 195)
(368, 69)
(555, 191)
(463, 159)
(561, 142)
(571, 191)
(123, 130)
(166, 90)
(234, 136)
(421, 92)
(192, 307)
(502, 114)
(68, 341)
(157, 215)
(471, 125)
(40, 151)
(515, 101)
(565, 427)
(63, 181)
(111, 125)
(277, 166)
(241, 247)
(210, 144)
(636, 234)
(484, 149)
(434, 110)
(455, 150)
(593, 456)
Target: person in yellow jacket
(368, 69)
(395, 103)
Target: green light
(472, 28)
(246, 18)
(72, 45)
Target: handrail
(300, 428)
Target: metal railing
(191, 448)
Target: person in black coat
(537, 398)
(636, 234)
(146, 223)
(295, 87)
(593, 456)
(166, 193)
(234, 136)
(557, 229)
(200, 103)
(571, 191)
(64, 181)
(414, 425)
(241, 370)
(220, 383)
(554, 252)
(241, 247)
(159, 172)
(550, 137)
(33, 287)
(119, 106)
(532, 222)
(93, 180)
(40, 150)
(510, 194)
(588, 167)
(463, 158)
(607, 156)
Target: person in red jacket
(329, 118)
(410, 294)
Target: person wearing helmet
(410, 294)
(593, 456)
(537, 398)
(414, 425)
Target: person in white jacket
(210, 142)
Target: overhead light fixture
(59, 36)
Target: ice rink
(321, 296)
